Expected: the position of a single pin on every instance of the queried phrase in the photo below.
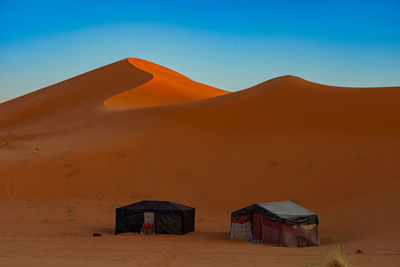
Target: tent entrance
(148, 223)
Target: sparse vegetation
(67, 151)
(337, 258)
(311, 265)
(4, 144)
(310, 165)
(68, 165)
(359, 251)
(45, 220)
(276, 161)
(72, 173)
(35, 149)
(71, 219)
(122, 154)
(69, 210)
(184, 173)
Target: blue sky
(228, 44)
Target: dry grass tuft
(276, 162)
(35, 150)
(72, 173)
(4, 144)
(310, 165)
(337, 258)
(359, 251)
(183, 173)
(68, 165)
(121, 154)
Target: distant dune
(137, 128)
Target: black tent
(166, 217)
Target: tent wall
(256, 226)
(240, 230)
(168, 223)
(288, 235)
(240, 227)
(188, 221)
(241, 219)
(298, 236)
(271, 231)
(127, 221)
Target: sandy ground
(72, 152)
(59, 233)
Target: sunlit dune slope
(166, 87)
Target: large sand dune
(166, 87)
(133, 130)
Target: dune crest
(166, 87)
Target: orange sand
(166, 87)
(134, 130)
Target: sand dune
(335, 150)
(119, 85)
(166, 87)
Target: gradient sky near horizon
(228, 44)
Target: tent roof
(286, 212)
(155, 205)
(286, 209)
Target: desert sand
(72, 152)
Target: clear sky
(228, 44)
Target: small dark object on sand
(96, 234)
